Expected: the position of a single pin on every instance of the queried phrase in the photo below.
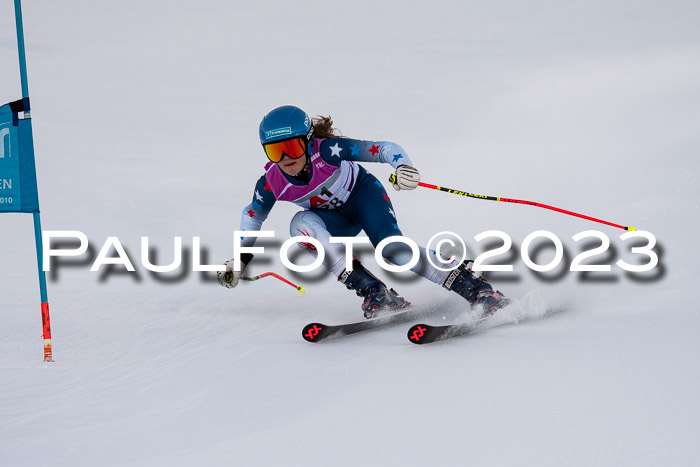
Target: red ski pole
(300, 288)
(392, 179)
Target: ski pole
(392, 179)
(300, 288)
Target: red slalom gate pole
(300, 288)
(392, 179)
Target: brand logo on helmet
(278, 132)
(306, 121)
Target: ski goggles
(293, 148)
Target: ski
(316, 332)
(425, 333)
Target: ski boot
(378, 299)
(475, 290)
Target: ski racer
(314, 168)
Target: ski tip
(416, 334)
(313, 332)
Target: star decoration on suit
(379, 184)
(258, 197)
(374, 150)
(335, 150)
(267, 186)
(251, 213)
(386, 198)
(392, 213)
(397, 157)
(355, 150)
(396, 227)
(256, 205)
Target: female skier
(314, 168)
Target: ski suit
(340, 199)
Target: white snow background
(145, 118)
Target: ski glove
(407, 178)
(229, 278)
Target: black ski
(425, 333)
(315, 332)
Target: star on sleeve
(335, 150)
(254, 214)
(365, 151)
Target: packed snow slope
(145, 120)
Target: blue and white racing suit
(340, 199)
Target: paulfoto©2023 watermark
(438, 242)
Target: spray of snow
(531, 306)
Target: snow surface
(145, 122)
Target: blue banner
(18, 189)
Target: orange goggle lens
(294, 148)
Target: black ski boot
(377, 298)
(475, 290)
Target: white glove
(407, 178)
(230, 277)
